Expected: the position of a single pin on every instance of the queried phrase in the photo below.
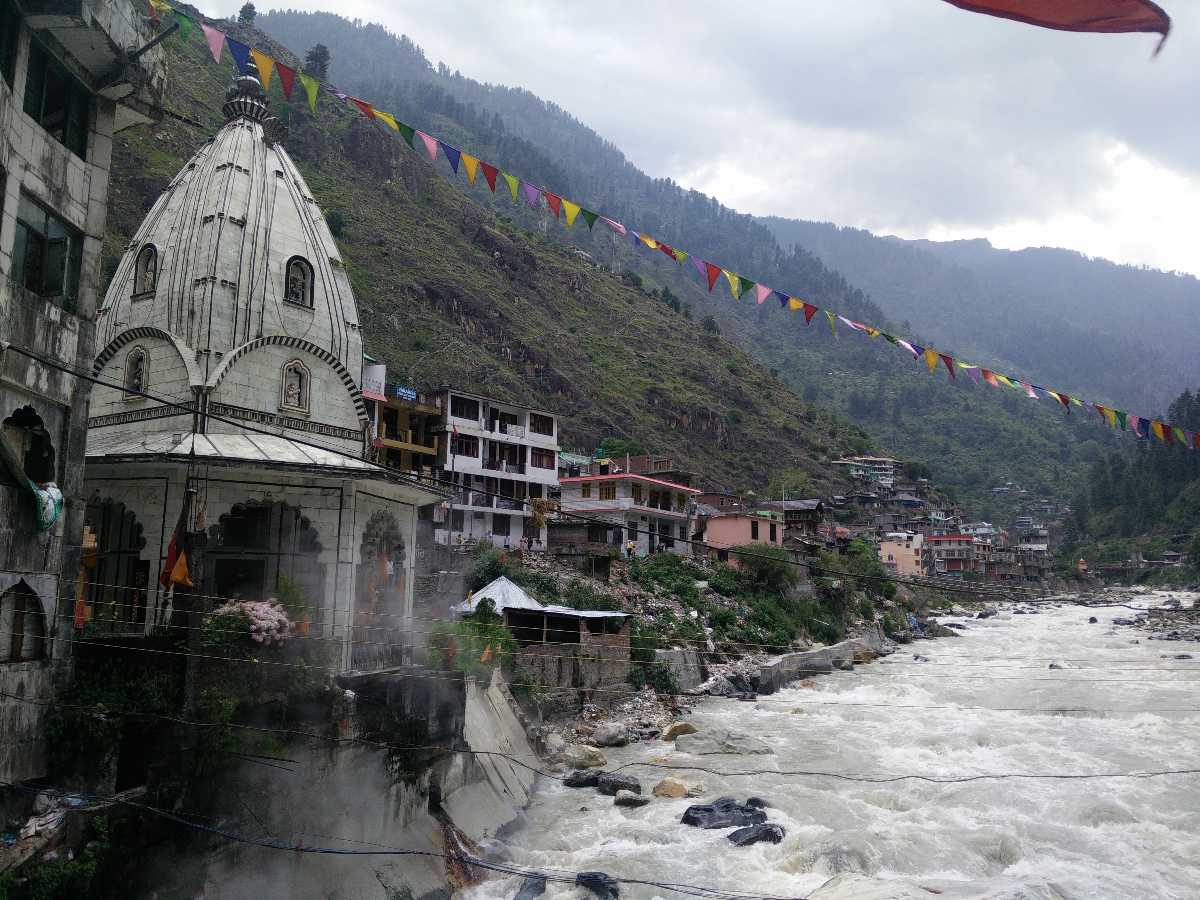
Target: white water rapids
(1120, 703)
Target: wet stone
(600, 884)
(723, 813)
(533, 886)
(753, 834)
(611, 782)
(582, 778)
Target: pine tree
(246, 14)
(316, 62)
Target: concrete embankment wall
(781, 671)
(686, 665)
(358, 797)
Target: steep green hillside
(969, 437)
(453, 292)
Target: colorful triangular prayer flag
(744, 284)
(364, 107)
(809, 312)
(1005, 380)
(387, 119)
(948, 362)
(589, 217)
(782, 298)
(533, 195)
(452, 155)
(733, 282)
(287, 79)
(570, 211)
(832, 323)
(471, 164)
(615, 226)
(1119, 415)
(215, 40)
(1180, 435)
(761, 293)
(680, 255)
(431, 145)
(648, 241)
(666, 250)
(266, 67)
(931, 359)
(911, 348)
(554, 202)
(310, 86)
(1156, 428)
(712, 273)
(408, 133)
(1029, 392)
(990, 377)
(185, 25)
(514, 184)
(240, 53)
(698, 265)
(490, 172)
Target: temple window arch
(146, 271)
(298, 282)
(28, 449)
(22, 625)
(137, 365)
(295, 388)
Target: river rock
(629, 798)
(843, 664)
(1122, 621)
(1054, 665)
(1092, 620)
(610, 734)
(581, 756)
(675, 729)
(752, 834)
(554, 744)
(602, 885)
(611, 782)
(582, 778)
(671, 788)
(723, 813)
(532, 886)
(721, 741)
(986, 613)
(756, 803)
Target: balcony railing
(500, 465)
(509, 503)
(497, 427)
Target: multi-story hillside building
(646, 512)
(880, 470)
(904, 553)
(952, 554)
(499, 455)
(71, 74)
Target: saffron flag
(514, 184)
(387, 119)
(175, 566)
(452, 155)
(712, 273)
(648, 241)
(489, 172)
(240, 53)
(554, 202)
(570, 211)
(310, 88)
(1104, 16)
(215, 39)
(287, 79)
(266, 66)
(931, 359)
(761, 293)
(431, 145)
(471, 164)
(1156, 428)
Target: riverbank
(1040, 691)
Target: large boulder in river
(610, 734)
(602, 885)
(582, 778)
(721, 741)
(629, 798)
(533, 886)
(611, 782)
(581, 756)
(675, 729)
(752, 834)
(723, 813)
(671, 788)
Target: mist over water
(1120, 703)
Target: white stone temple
(232, 300)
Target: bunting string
(560, 207)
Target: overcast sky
(905, 117)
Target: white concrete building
(232, 301)
(503, 457)
(70, 76)
(652, 514)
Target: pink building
(903, 553)
(735, 529)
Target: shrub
(654, 675)
(489, 565)
(767, 568)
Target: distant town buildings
(640, 514)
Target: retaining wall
(686, 665)
(781, 671)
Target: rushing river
(984, 703)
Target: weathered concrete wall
(569, 675)
(781, 671)
(686, 665)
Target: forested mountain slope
(970, 437)
(450, 292)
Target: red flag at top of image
(1105, 16)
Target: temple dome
(233, 293)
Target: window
(464, 445)
(464, 408)
(135, 372)
(637, 494)
(608, 491)
(774, 533)
(681, 502)
(682, 532)
(540, 424)
(585, 490)
(298, 283)
(22, 626)
(46, 254)
(10, 29)
(541, 459)
(457, 520)
(295, 387)
(146, 271)
(56, 101)
(753, 531)
(29, 445)
(501, 525)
